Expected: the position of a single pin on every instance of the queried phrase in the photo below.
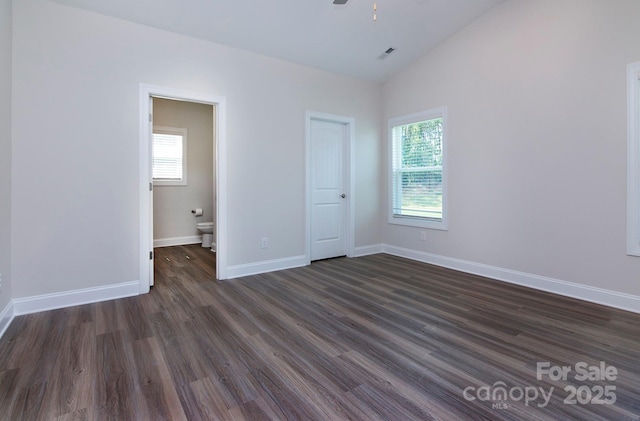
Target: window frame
(418, 221)
(633, 159)
(176, 131)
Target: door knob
(343, 195)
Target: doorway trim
(349, 174)
(145, 178)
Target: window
(633, 159)
(418, 194)
(169, 161)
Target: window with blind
(418, 169)
(169, 161)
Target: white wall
(536, 95)
(172, 205)
(75, 196)
(5, 151)
(536, 92)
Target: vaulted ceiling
(343, 39)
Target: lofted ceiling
(338, 38)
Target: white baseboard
(177, 241)
(368, 250)
(76, 297)
(265, 266)
(288, 263)
(6, 317)
(570, 289)
(27, 305)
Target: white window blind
(169, 156)
(417, 170)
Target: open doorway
(173, 103)
(183, 168)
(183, 171)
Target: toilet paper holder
(196, 212)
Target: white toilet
(206, 228)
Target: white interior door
(151, 255)
(328, 141)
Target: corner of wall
(6, 80)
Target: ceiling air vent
(386, 53)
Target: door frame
(146, 92)
(348, 182)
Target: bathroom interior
(184, 211)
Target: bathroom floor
(193, 260)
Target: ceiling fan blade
(340, 1)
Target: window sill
(418, 223)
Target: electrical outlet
(423, 235)
(264, 243)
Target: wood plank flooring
(372, 338)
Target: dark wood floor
(376, 337)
